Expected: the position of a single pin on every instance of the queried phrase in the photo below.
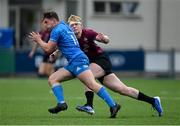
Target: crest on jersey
(85, 39)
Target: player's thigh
(96, 70)
(87, 78)
(114, 83)
(42, 67)
(60, 75)
(49, 68)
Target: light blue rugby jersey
(66, 41)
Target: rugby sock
(106, 97)
(145, 98)
(89, 97)
(58, 92)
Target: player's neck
(79, 34)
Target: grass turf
(24, 101)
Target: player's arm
(102, 38)
(53, 57)
(33, 50)
(47, 47)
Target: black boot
(58, 108)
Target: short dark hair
(50, 14)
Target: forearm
(33, 50)
(102, 38)
(45, 46)
(34, 47)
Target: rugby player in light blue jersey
(63, 38)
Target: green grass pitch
(24, 101)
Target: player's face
(48, 24)
(76, 27)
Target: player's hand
(102, 38)
(34, 36)
(53, 57)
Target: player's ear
(54, 20)
(81, 25)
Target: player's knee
(92, 86)
(95, 87)
(52, 80)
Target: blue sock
(58, 92)
(106, 97)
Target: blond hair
(74, 18)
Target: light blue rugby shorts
(78, 65)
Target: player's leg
(115, 84)
(42, 71)
(49, 69)
(88, 107)
(112, 81)
(54, 81)
(84, 74)
(88, 79)
(97, 72)
(98, 66)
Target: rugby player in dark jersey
(46, 68)
(101, 68)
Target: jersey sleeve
(55, 35)
(91, 33)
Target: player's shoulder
(57, 29)
(88, 31)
